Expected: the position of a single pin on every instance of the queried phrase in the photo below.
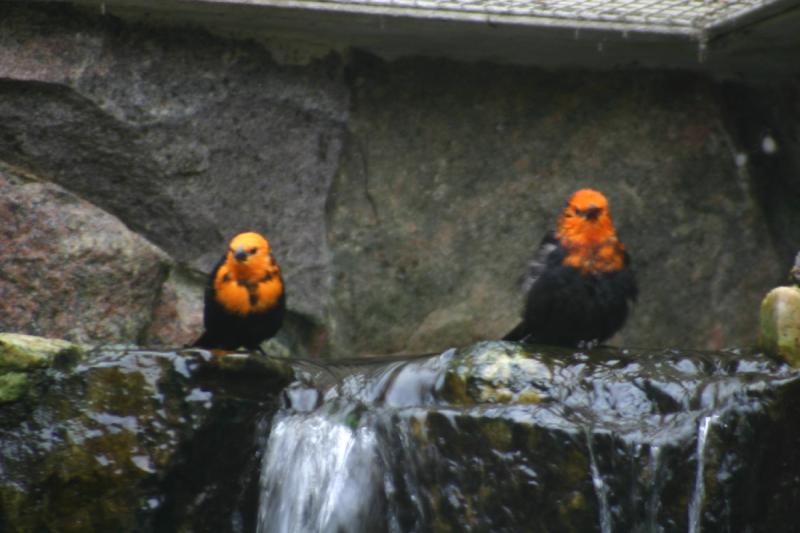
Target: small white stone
(768, 144)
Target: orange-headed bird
(580, 283)
(244, 298)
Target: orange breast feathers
(249, 280)
(587, 232)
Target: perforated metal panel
(694, 14)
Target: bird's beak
(240, 254)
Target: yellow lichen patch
(529, 396)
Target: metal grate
(688, 14)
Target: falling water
(654, 502)
(319, 474)
(696, 503)
(324, 469)
(600, 487)
(379, 446)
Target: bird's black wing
(537, 265)
(210, 310)
(539, 261)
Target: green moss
(27, 352)
(13, 386)
(498, 433)
(455, 389)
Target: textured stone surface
(178, 313)
(69, 269)
(453, 173)
(403, 199)
(780, 324)
(501, 436)
(188, 138)
(130, 441)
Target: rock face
(454, 173)
(189, 139)
(130, 440)
(402, 199)
(71, 269)
(503, 437)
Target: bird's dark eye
(253, 250)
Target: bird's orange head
(586, 230)
(248, 257)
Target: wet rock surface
(125, 439)
(505, 437)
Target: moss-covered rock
(28, 352)
(130, 439)
(780, 324)
(13, 385)
(534, 438)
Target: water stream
(612, 444)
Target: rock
(136, 440)
(498, 373)
(71, 270)
(780, 324)
(13, 386)
(638, 440)
(186, 137)
(178, 314)
(454, 173)
(26, 352)
(500, 436)
(24, 358)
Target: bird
(244, 301)
(580, 283)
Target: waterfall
(654, 501)
(600, 487)
(319, 474)
(696, 503)
(325, 469)
(495, 442)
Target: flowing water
(696, 503)
(618, 443)
(325, 468)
